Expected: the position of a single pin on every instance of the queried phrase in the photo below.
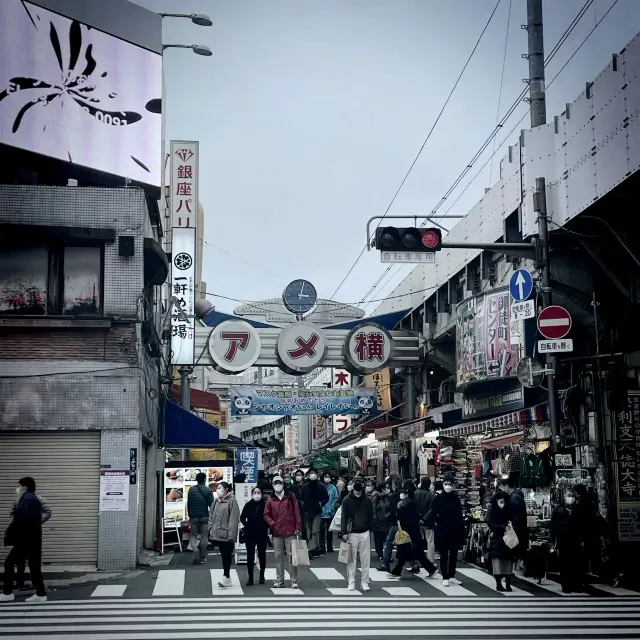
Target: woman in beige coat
(223, 527)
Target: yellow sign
(207, 454)
(381, 381)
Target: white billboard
(77, 94)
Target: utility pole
(410, 414)
(535, 56)
(185, 395)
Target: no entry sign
(554, 322)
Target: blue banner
(247, 463)
(319, 401)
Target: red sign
(554, 322)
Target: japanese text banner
(269, 401)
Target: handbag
(299, 553)
(344, 553)
(402, 537)
(510, 538)
(336, 523)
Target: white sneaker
(454, 581)
(446, 583)
(351, 587)
(294, 584)
(36, 598)
(7, 597)
(225, 582)
(365, 587)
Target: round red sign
(554, 322)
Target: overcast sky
(310, 113)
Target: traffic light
(424, 240)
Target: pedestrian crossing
(323, 581)
(343, 616)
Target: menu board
(179, 481)
(628, 450)
(629, 522)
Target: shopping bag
(510, 538)
(299, 553)
(336, 523)
(194, 542)
(402, 537)
(344, 553)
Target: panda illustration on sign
(243, 405)
(365, 403)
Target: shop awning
(199, 399)
(183, 430)
(502, 441)
(532, 415)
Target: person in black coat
(498, 519)
(570, 531)
(314, 497)
(409, 517)
(445, 518)
(256, 533)
(518, 510)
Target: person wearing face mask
(328, 511)
(356, 522)
(256, 533)
(282, 514)
(341, 485)
(518, 510)
(392, 519)
(24, 535)
(380, 501)
(445, 518)
(498, 518)
(424, 498)
(314, 497)
(199, 501)
(569, 531)
(223, 525)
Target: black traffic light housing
(424, 240)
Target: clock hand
(301, 290)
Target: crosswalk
(344, 616)
(323, 581)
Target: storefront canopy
(199, 399)
(183, 429)
(503, 441)
(512, 419)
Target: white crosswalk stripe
(351, 616)
(328, 580)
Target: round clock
(300, 297)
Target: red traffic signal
(408, 239)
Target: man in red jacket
(282, 514)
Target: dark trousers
(379, 538)
(326, 536)
(261, 545)
(412, 553)
(30, 552)
(573, 565)
(226, 551)
(448, 563)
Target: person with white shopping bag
(501, 543)
(356, 520)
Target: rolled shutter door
(66, 468)
(142, 479)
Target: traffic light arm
(406, 218)
(513, 249)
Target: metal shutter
(66, 468)
(142, 493)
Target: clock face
(300, 296)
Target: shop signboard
(180, 478)
(340, 379)
(485, 349)
(480, 401)
(341, 423)
(247, 463)
(114, 490)
(629, 522)
(242, 492)
(627, 439)
(291, 447)
(301, 347)
(234, 346)
(272, 401)
(320, 431)
(381, 382)
(184, 211)
(368, 347)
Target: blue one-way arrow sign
(521, 285)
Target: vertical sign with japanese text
(628, 450)
(184, 209)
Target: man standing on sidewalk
(199, 501)
(356, 522)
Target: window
(58, 279)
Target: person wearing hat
(282, 514)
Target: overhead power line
(433, 126)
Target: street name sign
(554, 322)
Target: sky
(310, 113)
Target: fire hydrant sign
(114, 490)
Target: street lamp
(200, 19)
(200, 49)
